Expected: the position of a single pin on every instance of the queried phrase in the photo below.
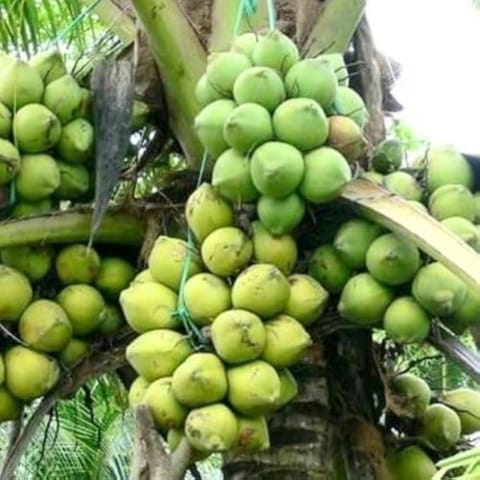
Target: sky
(438, 44)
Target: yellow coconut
(16, 294)
(77, 264)
(441, 426)
(253, 434)
(466, 402)
(115, 274)
(137, 390)
(10, 407)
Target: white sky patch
(437, 42)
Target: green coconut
(337, 63)
(24, 209)
(353, 239)
(205, 92)
(312, 78)
(86, 107)
(29, 374)
(140, 115)
(411, 463)
(301, 122)
(231, 177)
(49, 65)
(405, 321)
(288, 388)
(207, 211)
(414, 393)
(64, 98)
(143, 353)
(276, 169)
(45, 326)
(275, 50)
(280, 251)
(438, 290)
(38, 177)
(466, 403)
(166, 410)
(260, 85)
(74, 181)
(16, 294)
(83, 305)
(200, 380)
(452, 201)
(388, 156)
(392, 260)
(469, 312)
(115, 275)
(247, 127)
(77, 264)
(345, 136)
(281, 215)
(73, 352)
(253, 434)
(245, 43)
(10, 407)
(20, 84)
(226, 251)
(308, 299)
(441, 426)
(223, 68)
(213, 428)
(445, 166)
(326, 174)
(167, 261)
(364, 300)
(327, 267)
(403, 185)
(286, 341)
(5, 121)
(205, 296)
(143, 277)
(111, 320)
(350, 104)
(253, 388)
(149, 306)
(464, 229)
(374, 177)
(75, 144)
(262, 289)
(9, 161)
(238, 336)
(137, 390)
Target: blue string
(272, 16)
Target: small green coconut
(464, 229)
(281, 215)
(137, 391)
(23, 209)
(74, 351)
(77, 264)
(223, 68)
(350, 104)
(49, 65)
(140, 115)
(205, 92)
(5, 121)
(74, 182)
(388, 156)
(253, 434)
(441, 426)
(34, 261)
(245, 43)
(411, 463)
(337, 63)
(10, 407)
(345, 136)
(414, 393)
(115, 275)
(16, 294)
(63, 97)
(466, 403)
(75, 144)
(111, 320)
(38, 177)
(9, 161)
(288, 388)
(469, 312)
(452, 201)
(403, 185)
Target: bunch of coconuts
(46, 134)
(55, 303)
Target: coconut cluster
(53, 327)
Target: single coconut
(137, 390)
(345, 136)
(209, 126)
(353, 239)
(30, 374)
(253, 434)
(414, 393)
(205, 92)
(452, 201)
(253, 388)
(248, 127)
(75, 144)
(262, 289)
(411, 463)
(10, 407)
(308, 299)
(86, 106)
(16, 294)
(205, 296)
(392, 260)
(288, 388)
(327, 267)
(301, 122)
(405, 321)
(259, 85)
(77, 264)
(238, 336)
(466, 403)
(281, 215)
(441, 426)
(388, 156)
(364, 300)
(226, 251)
(73, 352)
(83, 305)
(213, 428)
(280, 251)
(64, 98)
(337, 63)
(469, 312)
(326, 174)
(23, 209)
(149, 306)
(140, 115)
(166, 410)
(275, 50)
(276, 169)
(144, 352)
(5, 121)
(115, 275)
(201, 379)
(223, 68)
(74, 181)
(438, 290)
(403, 185)
(206, 211)
(49, 65)
(350, 104)
(374, 177)
(111, 320)
(38, 177)
(245, 43)
(9, 161)
(169, 258)
(143, 277)
(45, 326)
(464, 229)
(286, 341)
(231, 178)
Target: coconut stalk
(181, 60)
